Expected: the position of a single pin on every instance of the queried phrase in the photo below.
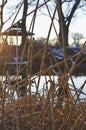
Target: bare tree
(77, 37)
(66, 10)
(1, 14)
(26, 3)
(25, 8)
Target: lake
(77, 80)
(44, 82)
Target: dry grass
(46, 109)
(54, 106)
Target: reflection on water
(77, 82)
(45, 82)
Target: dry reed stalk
(43, 109)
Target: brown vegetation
(28, 103)
(47, 110)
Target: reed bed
(48, 109)
(54, 104)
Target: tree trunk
(63, 28)
(64, 21)
(24, 22)
(1, 14)
(65, 35)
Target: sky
(42, 25)
(79, 25)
